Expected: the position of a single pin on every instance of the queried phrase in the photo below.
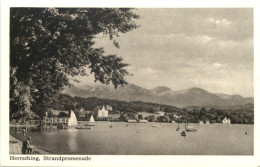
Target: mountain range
(163, 95)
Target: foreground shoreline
(13, 140)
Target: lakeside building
(207, 122)
(176, 116)
(103, 111)
(83, 115)
(221, 120)
(142, 121)
(28, 122)
(201, 122)
(226, 121)
(160, 113)
(61, 121)
(131, 121)
(132, 116)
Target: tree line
(128, 110)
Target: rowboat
(83, 127)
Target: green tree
(150, 118)
(62, 114)
(163, 119)
(20, 99)
(140, 116)
(48, 46)
(123, 117)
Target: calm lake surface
(143, 139)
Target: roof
(57, 112)
(107, 107)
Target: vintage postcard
(132, 85)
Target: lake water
(143, 139)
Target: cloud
(227, 24)
(131, 67)
(220, 22)
(218, 65)
(180, 46)
(147, 71)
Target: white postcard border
(127, 160)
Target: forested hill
(237, 113)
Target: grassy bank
(16, 137)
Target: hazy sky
(182, 48)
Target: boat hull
(183, 133)
(82, 127)
(191, 130)
(90, 125)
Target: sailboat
(190, 129)
(82, 127)
(72, 121)
(156, 125)
(178, 127)
(111, 126)
(91, 121)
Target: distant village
(63, 119)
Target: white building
(226, 121)
(160, 113)
(207, 122)
(64, 121)
(103, 112)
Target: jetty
(17, 128)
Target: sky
(182, 48)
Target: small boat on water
(154, 125)
(190, 129)
(83, 127)
(183, 133)
(111, 126)
(178, 127)
(91, 121)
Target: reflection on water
(72, 140)
(143, 139)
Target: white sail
(91, 120)
(72, 119)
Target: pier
(17, 128)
